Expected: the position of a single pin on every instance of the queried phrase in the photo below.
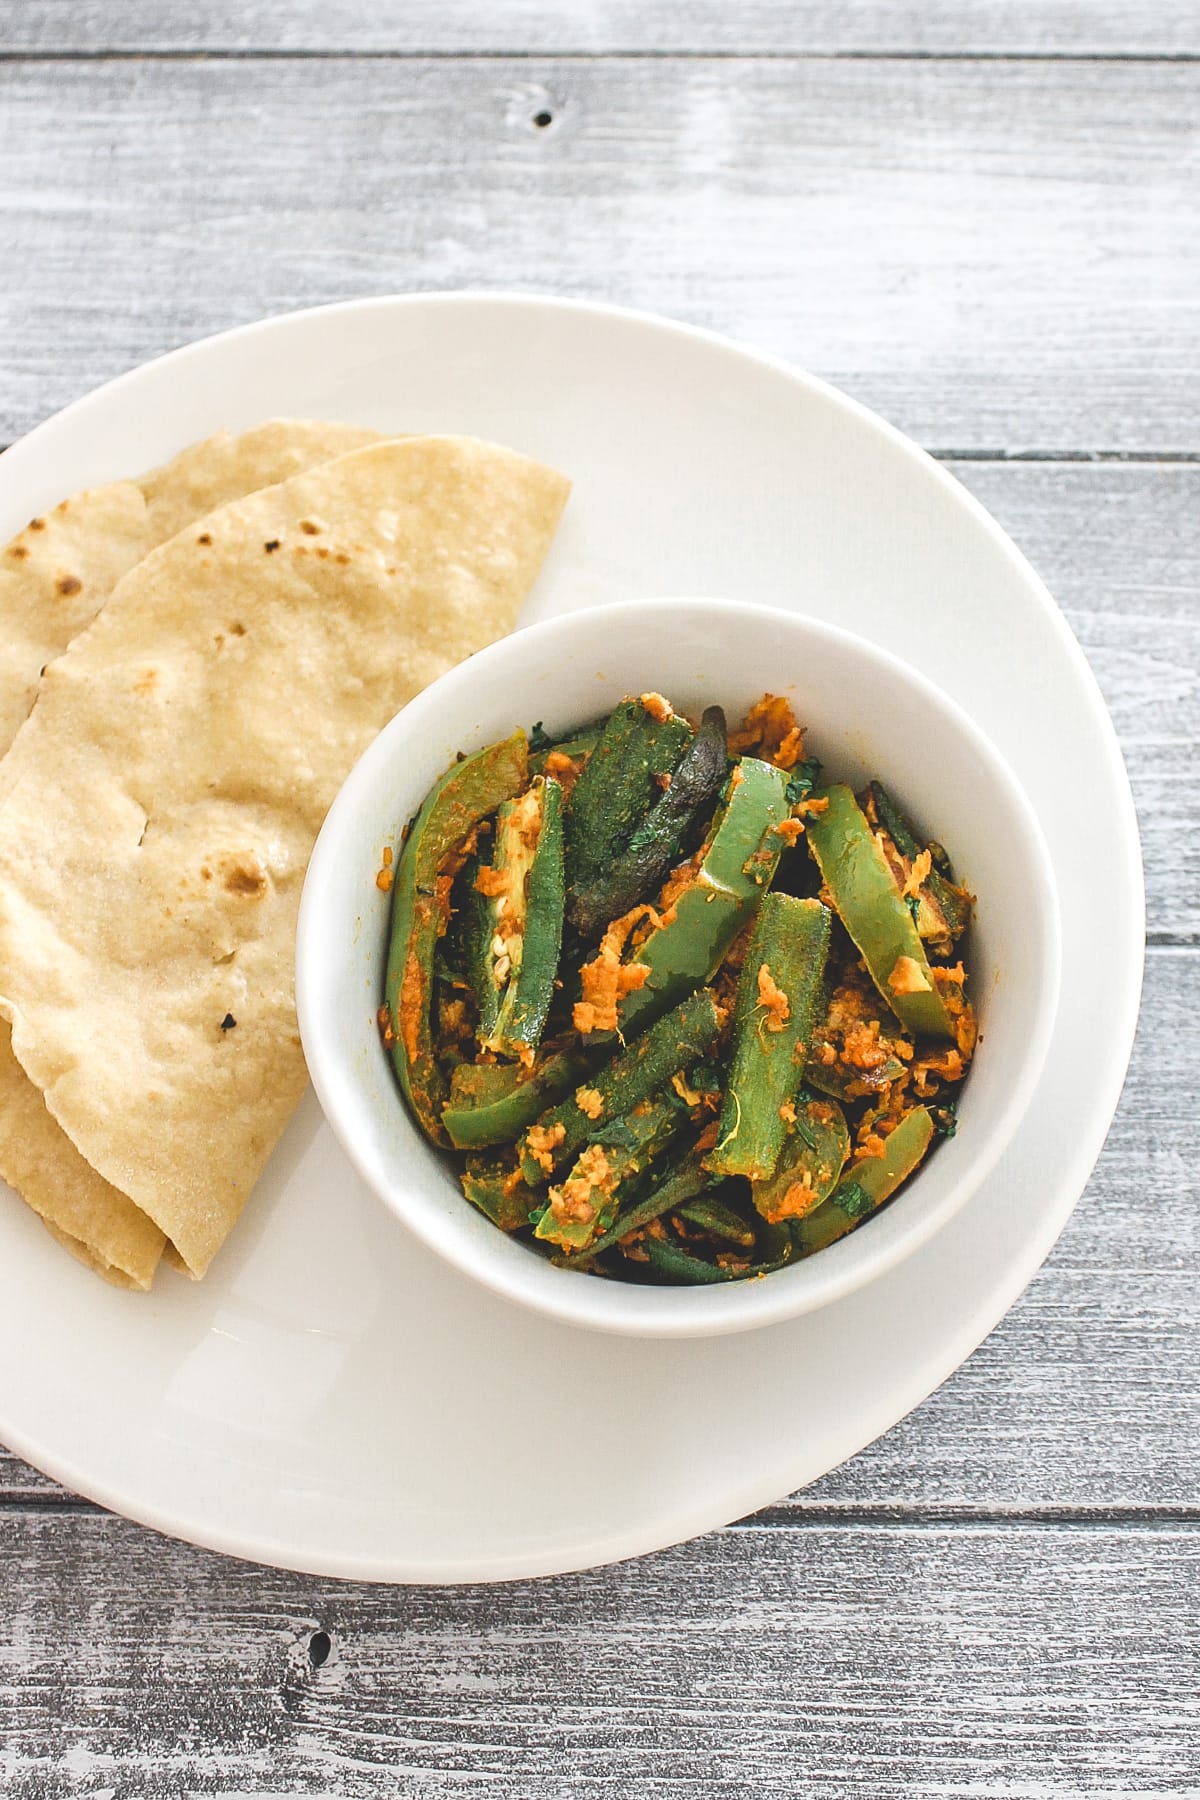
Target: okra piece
(813, 1156)
(424, 876)
(735, 871)
(870, 905)
(708, 1213)
(618, 787)
(942, 910)
(492, 1103)
(673, 1044)
(866, 1185)
(495, 1187)
(607, 1174)
(683, 1269)
(660, 839)
(517, 919)
(779, 993)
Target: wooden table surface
(980, 218)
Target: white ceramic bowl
(866, 714)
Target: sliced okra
(662, 837)
(424, 877)
(607, 1174)
(619, 785)
(515, 932)
(779, 992)
(671, 1045)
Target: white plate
(333, 1398)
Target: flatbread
(54, 578)
(158, 808)
(58, 572)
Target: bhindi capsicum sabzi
(683, 1013)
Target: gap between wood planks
(299, 53)
(785, 1517)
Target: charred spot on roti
(270, 545)
(228, 1022)
(310, 528)
(69, 584)
(37, 524)
(205, 537)
(237, 629)
(247, 879)
(19, 551)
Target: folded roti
(54, 578)
(158, 808)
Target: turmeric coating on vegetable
(751, 1031)
(606, 979)
(773, 1000)
(769, 730)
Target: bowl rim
(629, 1309)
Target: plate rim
(737, 1499)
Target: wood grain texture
(886, 1660)
(605, 27)
(993, 255)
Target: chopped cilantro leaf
(802, 780)
(855, 1201)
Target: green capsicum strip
(674, 1043)
(813, 1156)
(942, 910)
(618, 786)
(495, 1187)
(870, 905)
(866, 1185)
(779, 992)
(424, 875)
(736, 869)
(517, 931)
(492, 1103)
(607, 1174)
(660, 839)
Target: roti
(158, 807)
(55, 576)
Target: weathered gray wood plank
(1119, 546)
(874, 1661)
(993, 255)
(1085, 1397)
(797, 27)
